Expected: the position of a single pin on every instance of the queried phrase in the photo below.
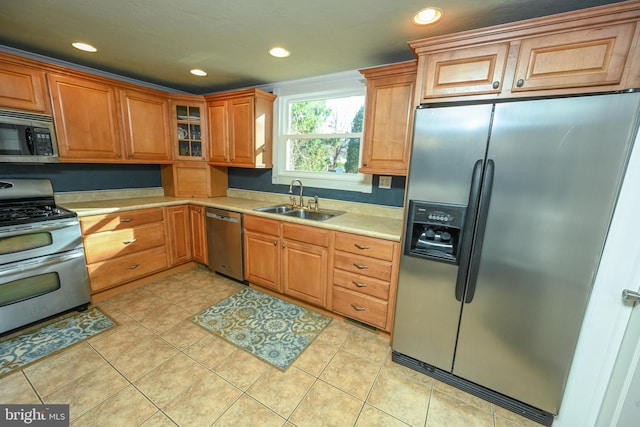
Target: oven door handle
(14, 267)
(37, 227)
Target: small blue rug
(273, 330)
(22, 350)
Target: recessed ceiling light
(279, 52)
(427, 16)
(198, 72)
(84, 46)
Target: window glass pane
(334, 115)
(334, 155)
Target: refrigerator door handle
(467, 230)
(483, 210)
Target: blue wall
(260, 180)
(67, 177)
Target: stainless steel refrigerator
(508, 208)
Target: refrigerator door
(558, 168)
(447, 143)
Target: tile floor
(157, 369)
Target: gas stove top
(25, 201)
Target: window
(319, 137)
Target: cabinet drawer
(111, 244)
(362, 265)
(123, 269)
(360, 283)
(366, 246)
(306, 234)
(360, 307)
(262, 225)
(117, 221)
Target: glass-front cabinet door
(189, 130)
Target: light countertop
(370, 220)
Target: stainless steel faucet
(301, 188)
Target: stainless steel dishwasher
(224, 240)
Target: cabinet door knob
(358, 308)
(284, 245)
(496, 84)
(275, 243)
(364, 163)
(520, 83)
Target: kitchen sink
(288, 210)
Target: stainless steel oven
(42, 264)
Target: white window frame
(335, 85)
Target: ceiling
(159, 41)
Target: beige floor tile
(14, 388)
(210, 349)
(325, 405)
(144, 357)
(126, 408)
(198, 301)
(88, 391)
(368, 345)
(351, 373)
(248, 412)
(502, 414)
(461, 395)
(203, 402)
(336, 332)
(374, 417)
(408, 372)
(401, 397)
(447, 411)
(241, 369)
(166, 318)
(120, 340)
(55, 371)
(185, 334)
(158, 420)
(282, 391)
(316, 357)
(171, 378)
(117, 315)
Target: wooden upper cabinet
(146, 124)
(86, 119)
(240, 128)
(23, 88)
(388, 119)
(470, 71)
(591, 57)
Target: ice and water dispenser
(434, 230)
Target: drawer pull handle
(126, 219)
(360, 285)
(361, 267)
(361, 246)
(358, 308)
(131, 267)
(127, 242)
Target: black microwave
(27, 137)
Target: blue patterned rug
(274, 330)
(21, 350)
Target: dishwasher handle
(221, 217)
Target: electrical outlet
(384, 182)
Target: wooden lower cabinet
(364, 279)
(349, 274)
(287, 258)
(198, 223)
(178, 231)
(124, 246)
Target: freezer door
(447, 142)
(558, 168)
